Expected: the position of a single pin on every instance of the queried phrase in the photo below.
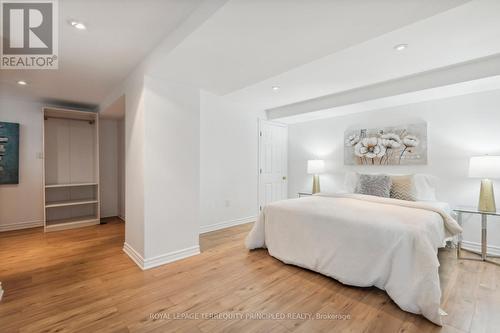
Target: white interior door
(273, 164)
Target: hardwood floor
(81, 281)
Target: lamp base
(487, 197)
(315, 188)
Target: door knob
(284, 177)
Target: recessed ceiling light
(77, 25)
(276, 88)
(22, 83)
(401, 47)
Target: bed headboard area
(435, 137)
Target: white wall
(191, 160)
(162, 156)
(121, 167)
(162, 170)
(108, 166)
(134, 161)
(458, 127)
(162, 139)
(228, 163)
(171, 168)
(21, 206)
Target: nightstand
(484, 233)
(304, 194)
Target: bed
(362, 240)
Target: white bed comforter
(362, 241)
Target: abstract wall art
(398, 145)
(9, 153)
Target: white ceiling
(247, 41)
(376, 104)
(468, 32)
(448, 76)
(92, 62)
(308, 48)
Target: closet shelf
(70, 185)
(65, 203)
(69, 223)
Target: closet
(71, 168)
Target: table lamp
(315, 167)
(486, 168)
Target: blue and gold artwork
(9, 153)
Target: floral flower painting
(399, 145)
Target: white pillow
(351, 181)
(425, 186)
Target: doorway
(273, 162)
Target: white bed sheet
(362, 241)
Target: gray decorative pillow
(377, 185)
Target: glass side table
(484, 233)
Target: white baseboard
(226, 224)
(491, 249)
(171, 257)
(161, 259)
(21, 225)
(134, 255)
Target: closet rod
(90, 121)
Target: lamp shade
(485, 167)
(315, 166)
